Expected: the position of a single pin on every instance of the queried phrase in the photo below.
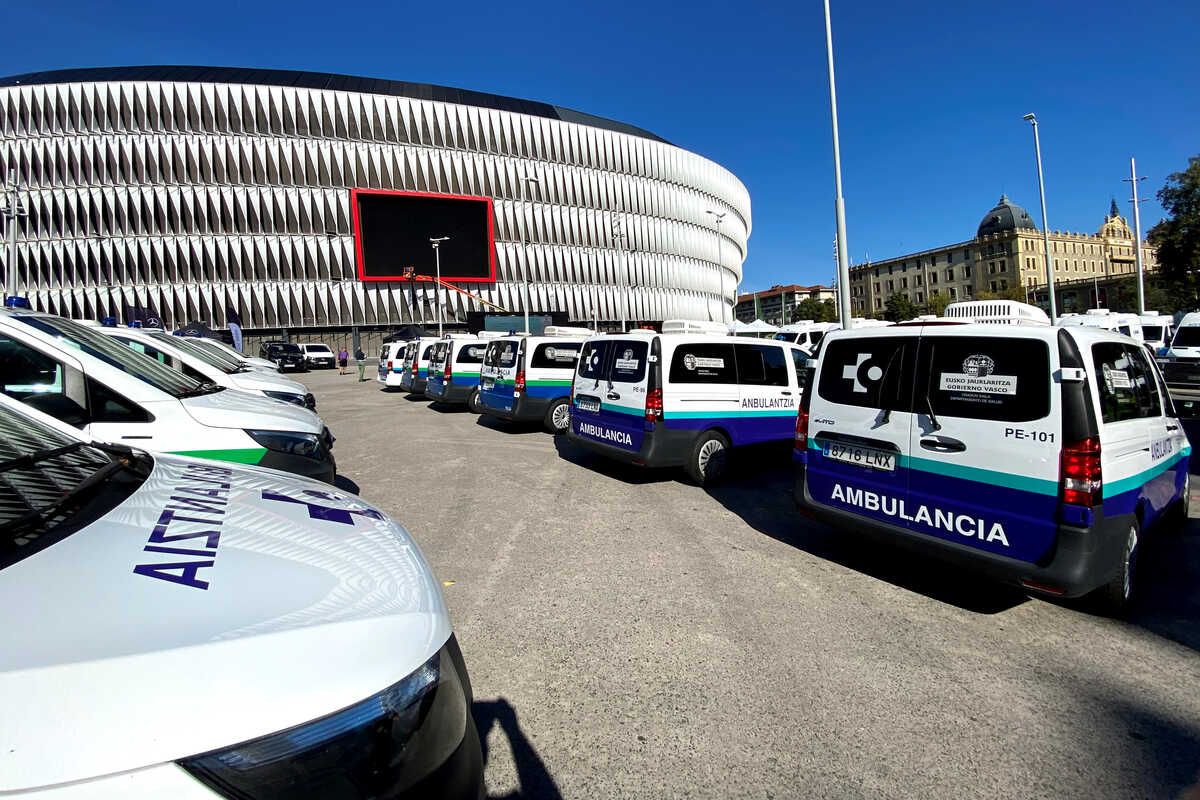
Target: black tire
(1115, 597)
(474, 403)
(1177, 517)
(558, 417)
(708, 459)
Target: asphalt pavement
(631, 635)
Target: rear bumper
(1083, 559)
(442, 393)
(524, 409)
(661, 447)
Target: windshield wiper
(42, 515)
(29, 459)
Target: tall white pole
(843, 291)
(719, 218)
(525, 248)
(12, 211)
(1137, 237)
(619, 236)
(436, 242)
(1037, 149)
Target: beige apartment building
(775, 305)
(1007, 252)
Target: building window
(891, 286)
(993, 286)
(920, 299)
(966, 291)
(904, 283)
(953, 293)
(917, 280)
(950, 274)
(966, 270)
(933, 277)
(877, 288)
(1003, 268)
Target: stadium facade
(193, 191)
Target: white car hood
(261, 363)
(233, 408)
(258, 382)
(117, 657)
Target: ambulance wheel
(709, 458)
(1177, 518)
(558, 417)
(1116, 596)
(473, 403)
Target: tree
(1012, 293)
(899, 308)
(1177, 237)
(816, 310)
(937, 303)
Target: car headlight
(287, 397)
(378, 747)
(297, 444)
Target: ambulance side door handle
(943, 444)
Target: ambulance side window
(1118, 398)
(704, 363)
(761, 365)
(1144, 385)
(106, 405)
(428, 352)
(870, 372)
(555, 355)
(629, 361)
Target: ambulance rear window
(868, 371)
(629, 361)
(555, 355)
(471, 354)
(985, 377)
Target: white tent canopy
(737, 326)
(758, 326)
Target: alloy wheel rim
(708, 451)
(561, 416)
(1130, 562)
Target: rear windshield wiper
(933, 420)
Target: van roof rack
(695, 326)
(489, 335)
(996, 312)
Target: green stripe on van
(1134, 481)
(988, 476)
(707, 414)
(547, 382)
(241, 455)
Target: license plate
(869, 457)
(488, 383)
(588, 404)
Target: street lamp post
(436, 242)
(1037, 149)
(525, 248)
(1137, 236)
(12, 210)
(719, 218)
(626, 288)
(843, 293)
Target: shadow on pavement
(345, 484)
(758, 488)
(514, 427)
(448, 408)
(415, 398)
(626, 473)
(534, 779)
(1169, 571)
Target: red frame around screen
(358, 253)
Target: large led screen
(392, 231)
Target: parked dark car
(286, 355)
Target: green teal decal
(239, 455)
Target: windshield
(1188, 336)
(210, 357)
(317, 348)
(50, 485)
(221, 347)
(284, 348)
(115, 354)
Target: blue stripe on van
(743, 429)
(725, 414)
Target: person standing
(343, 359)
(361, 358)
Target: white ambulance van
(1185, 343)
(454, 365)
(392, 364)
(186, 356)
(806, 333)
(260, 364)
(92, 382)
(316, 625)
(1156, 330)
(1037, 455)
(683, 397)
(528, 378)
(416, 370)
(1126, 324)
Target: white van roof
(564, 330)
(996, 312)
(695, 326)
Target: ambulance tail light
(447, 373)
(389, 366)
(802, 430)
(654, 405)
(1081, 475)
(519, 383)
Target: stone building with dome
(1005, 253)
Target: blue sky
(931, 94)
